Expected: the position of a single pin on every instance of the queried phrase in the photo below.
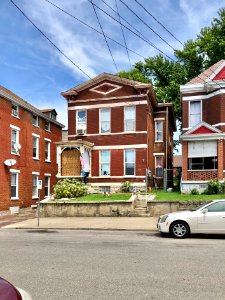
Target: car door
(212, 220)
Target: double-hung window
(14, 139)
(47, 186)
(129, 118)
(81, 121)
(14, 184)
(34, 185)
(105, 120)
(159, 166)
(195, 115)
(104, 162)
(47, 150)
(47, 126)
(35, 120)
(129, 162)
(15, 110)
(159, 131)
(35, 146)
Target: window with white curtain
(129, 162)
(195, 115)
(159, 131)
(129, 118)
(105, 163)
(82, 120)
(105, 120)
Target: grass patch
(98, 198)
(177, 196)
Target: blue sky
(34, 70)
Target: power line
(147, 25)
(151, 44)
(89, 26)
(104, 36)
(159, 22)
(125, 43)
(79, 68)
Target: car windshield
(196, 208)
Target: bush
(125, 187)
(69, 188)
(213, 187)
(194, 192)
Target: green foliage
(194, 192)
(69, 188)
(125, 186)
(215, 187)
(196, 55)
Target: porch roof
(75, 143)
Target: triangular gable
(202, 128)
(220, 75)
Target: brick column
(220, 159)
(184, 160)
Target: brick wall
(24, 161)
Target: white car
(209, 218)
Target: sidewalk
(89, 223)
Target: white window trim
(104, 176)
(48, 140)
(47, 174)
(157, 121)
(49, 184)
(49, 150)
(124, 119)
(158, 154)
(110, 111)
(13, 171)
(77, 118)
(13, 104)
(17, 129)
(124, 163)
(189, 111)
(37, 174)
(38, 146)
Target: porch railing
(203, 175)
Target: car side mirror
(204, 210)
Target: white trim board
(202, 97)
(105, 99)
(119, 147)
(131, 103)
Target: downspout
(165, 185)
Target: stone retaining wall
(111, 208)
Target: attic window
(53, 115)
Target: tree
(197, 55)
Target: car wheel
(179, 229)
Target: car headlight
(163, 219)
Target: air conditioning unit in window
(81, 131)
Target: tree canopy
(196, 55)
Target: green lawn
(177, 196)
(98, 198)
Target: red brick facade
(116, 94)
(208, 127)
(25, 164)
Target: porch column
(220, 159)
(184, 160)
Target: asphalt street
(55, 264)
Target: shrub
(125, 187)
(69, 188)
(194, 192)
(213, 187)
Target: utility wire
(79, 68)
(159, 22)
(146, 24)
(125, 43)
(151, 44)
(89, 26)
(104, 35)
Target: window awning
(202, 149)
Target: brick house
(203, 134)
(116, 130)
(27, 151)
